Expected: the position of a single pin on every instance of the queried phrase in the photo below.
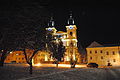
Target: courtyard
(20, 72)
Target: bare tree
(28, 40)
(14, 18)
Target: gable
(94, 44)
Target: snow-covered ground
(20, 72)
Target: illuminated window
(91, 58)
(114, 60)
(17, 54)
(74, 44)
(101, 57)
(113, 53)
(107, 53)
(101, 51)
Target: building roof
(60, 32)
(96, 44)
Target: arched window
(90, 51)
(71, 44)
(71, 33)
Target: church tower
(71, 29)
(50, 32)
(51, 26)
(71, 48)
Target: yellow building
(69, 39)
(19, 57)
(103, 55)
(15, 57)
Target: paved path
(112, 74)
(20, 72)
(81, 74)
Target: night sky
(96, 20)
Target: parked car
(92, 65)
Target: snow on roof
(60, 32)
(94, 44)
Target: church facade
(69, 39)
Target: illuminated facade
(103, 55)
(15, 57)
(42, 57)
(69, 39)
(19, 57)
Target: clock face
(49, 29)
(70, 27)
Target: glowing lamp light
(10, 52)
(38, 64)
(17, 54)
(59, 65)
(64, 65)
(2, 50)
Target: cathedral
(69, 39)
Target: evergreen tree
(57, 49)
